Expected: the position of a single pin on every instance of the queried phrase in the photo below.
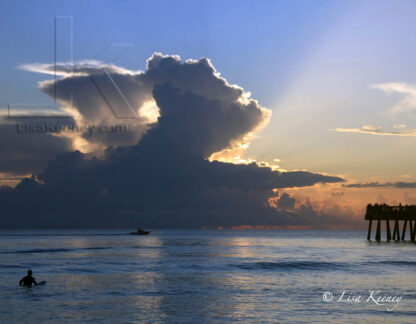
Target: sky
(321, 87)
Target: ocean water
(205, 276)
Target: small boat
(140, 232)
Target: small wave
(81, 270)
(57, 250)
(394, 262)
(291, 265)
(98, 248)
(10, 266)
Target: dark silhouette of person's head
(29, 272)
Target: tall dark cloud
(103, 94)
(165, 179)
(198, 125)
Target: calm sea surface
(199, 276)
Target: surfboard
(41, 283)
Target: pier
(404, 214)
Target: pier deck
(405, 214)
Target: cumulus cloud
(326, 214)
(101, 94)
(165, 177)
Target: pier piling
(404, 230)
(369, 230)
(378, 234)
(396, 231)
(388, 230)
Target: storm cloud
(208, 110)
(161, 175)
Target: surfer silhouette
(28, 280)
